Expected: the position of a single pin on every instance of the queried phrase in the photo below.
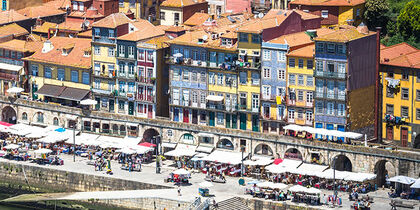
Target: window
(281, 74)
(6, 53)
(176, 17)
(131, 69)
(330, 108)
(141, 54)
(220, 79)
(60, 74)
(24, 116)
(150, 55)
(291, 114)
(341, 49)
(203, 77)
(309, 81)
(226, 42)
(324, 13)
(390, 74)
(330, 48)
(309, 64)
(281, 56)
(85, 78)
(300, 95)
(309, 116)
(330, 67)
(404, 111)
(255, 78)
(185, 75)
(111, 33)
(243, 37)
(97, 50)
(242, 77)
(121, 3)
(266, 91)
(266, 72)
(74, 5)
(255, 101)
(418, 76)
(292, 79)
(291, 62)
(97, 32)
(121, 86)
(47, 72)
(405, 74)
(121, 68)
(418, 114)
(357, 12)
(319, 47)
(266, 55)
(301, 80)
(55, 121)
(319, 66)
(220, 117)
(417, 95)
(309, 97)
(121, 52)
(162, 15)
(256, 38)
(133, 3)
(390, 109)
(75, 76)
(130, 51)
(111, 52)
(404, 93)
(81, 7)
(97, 84)
(40, 117)
(341, 109)
(300, 63)
(319, 107)
(211, 78)
(121, 104)
(194, 77)
(111, 86)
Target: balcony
(186, 62)
(330, 96)
(146, 80)
(244, 108)
(7, 76)
(104, 75)
(268, 98)
(220, 107)
(145, 98)
(330, 75)
(181, 103)
(250, 66)
(104, 40)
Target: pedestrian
(179, 191)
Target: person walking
(179, 190)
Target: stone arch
(56, 121)
(416, 144)
(8, 114)
(225, 143)
(24, 116)
(293, 153)
(115, 129)
(38, 117)
(263, 149)
(383, 169)
(149, 134)
(187, 138)
(342, 163)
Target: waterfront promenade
(188, 193)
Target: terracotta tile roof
(40, 11)
(74, 58)
(11, 16)
(85, 15)
(70, 25)
(230, 35)
(276, 12)
(197, 19)
(401, 54)
(44, 27)
(145, 30)
(155, 43)
(300, 38)
(59, 4)
(12, 29)
(328, 2)
(258, 25)
(304, 52)
(86, 34)
(343, 35)
(34, 37)
(175, 29)
(306, 15)
(177, 3)
(21, 45)
(112, 21)
(190, 38)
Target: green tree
(376, 13)
(408, 22)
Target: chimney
(47, 46)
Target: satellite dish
(205, 37)
(86, 23)
(260, 15)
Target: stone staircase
(230, 204)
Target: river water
(4, 207)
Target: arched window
(24, 116)
(115, 129)
(122, 130)
(55, 121)
(40, 117)
(188, 138)
(225, 144)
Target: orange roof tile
(112, 21)
(11, 16)
(304, 52)
(12, 29)
(306, 15)
(190, 38)
(328, 2)
(70, 25)
(44, 27)
(20, 45)
(145, 30)
(75, 58)
(85, 15)
(40, 11)
(276, 12)
(177, 3)
(343, 35)
(59, 4)
(156, 43)
(87, 34)
(300, 38)
(402, 54)
(258, 25)
(175, 29)
(197, 19)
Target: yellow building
(61, 71)
(145, 9)
(400, 78)
(301, 85)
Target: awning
(232, 158)
(208, 135)
(10, 67)
(168, 145)
(74, 94)
(51, 90)
(182, 150)
(205, 149)
(214, 98)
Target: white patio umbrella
(297, 188)
(265, 184)
(11, 146)
(416, 184)
(177, 55)
(15, 90)
(205, 184)
(181, 172)
(313, 190)
(279, 186)
(402, 179)
(88, 102)
(43, 151)
(127, 151)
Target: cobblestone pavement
(219, 191)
